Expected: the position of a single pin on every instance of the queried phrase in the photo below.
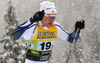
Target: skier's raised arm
(18, 32)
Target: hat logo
(52, 11)
(48, 8)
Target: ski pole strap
(71, 36)
(78, 29)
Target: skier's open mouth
(50, 23)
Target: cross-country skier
(42, 30)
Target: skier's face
(48, 19)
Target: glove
(80, 24)
(38, 16)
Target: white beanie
(48, 7)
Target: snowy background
(87, 48)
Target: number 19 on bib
(45, 45)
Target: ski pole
(29, 44)
(72, 45)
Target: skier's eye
(51, 16)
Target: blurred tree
(12, 52)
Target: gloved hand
(80, 24)
(38, 16)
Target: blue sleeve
(71, 36)
(17, 33)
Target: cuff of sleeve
(71, 36)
